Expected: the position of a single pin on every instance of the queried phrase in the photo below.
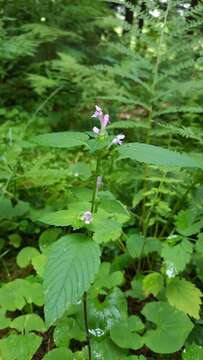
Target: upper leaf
(64, 139)
(72, 265)
(156, 155)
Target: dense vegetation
(101, 245)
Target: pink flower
(104, 120)
(98, 112)
(118, 140)
(87, 217)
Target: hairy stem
(85, 307)
(86, 325)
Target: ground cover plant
(101, 243)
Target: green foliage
(58, 60)
(72, 265)
(155, 155)
(27, 323)
(15, 294)
(184, 296)
(177, 255)
(60, 353)
(61, 139)
(124, 334)
(153, 283)
(193, 352)
(17, 347)
(172, 328)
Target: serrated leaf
(18, 347)
(61, 353)
(177, 256)
(124, 334)
(186, 224)
(172, 327)
(28, 322)
(25, 256)
(72, 265)
(106, 230)
(156, 155)
(185, 296)
(153, 283)
(71, 217)
(67, 139)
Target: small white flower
(118, 140)
(43, 19)
(156, 13)
(87, 217)
(171, 270)
(95, 130)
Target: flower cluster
(104, 120)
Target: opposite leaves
(72, 266)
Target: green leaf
(193, 352)
(124, 334)
(67, 329)
(59, 354)
(4, 320)
(107, 279)
(19, 347)
(199, 244)
(72, 265)
(153, 283)
(25, 256)
(116, 209)
(106, 349)
(178, 255)
(67, 139)
(105, 230)
(103, 315)
(39, 262)
(184, 296)
(27, 323)
(48, 237)
(80, 170)
(172, 328)
(137, 291)
(15, 240)
(71, 217)
(156, 155)
(137, 245)
(186, 224)
(15, 294)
